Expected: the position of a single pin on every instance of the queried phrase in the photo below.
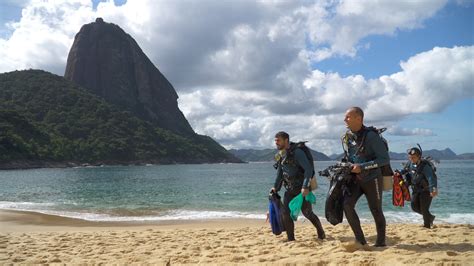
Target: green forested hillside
(44, 117)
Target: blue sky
(451, 26)
(245, 70)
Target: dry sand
(29, 238)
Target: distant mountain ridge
(254, 155)
(446, 154)
(466, 156)
(266, 155)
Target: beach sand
(31, 238)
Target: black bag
(334, 209)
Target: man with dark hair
(282, 135)
(365, 149)
(294, 172)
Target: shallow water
(209, 191)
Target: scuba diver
(294, 172)
(420, 173)
(365, 149)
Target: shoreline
(16, 221)
(30, 238)
(55, 217)
(28, 165)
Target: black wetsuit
(373, 193)
(420, 203)
(367, 149)
(294, 172)
(423, 182)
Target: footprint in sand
(353, 247)
(196, 248)
(451, 253)
(294, 253)
(237, 258)
(264, 252)
(18, 259)
(54, 260)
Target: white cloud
(214, 43)
(398, 131)
(242, 68)
(338, 26)
(44, 34)
(429, 82)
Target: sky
(244, 70)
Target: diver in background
(421, 175)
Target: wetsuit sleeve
(406, 172)
(377, 145)
(279, 178)
(428, 173)
(303, 162)
(405, 169)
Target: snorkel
(421, 150)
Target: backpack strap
(421, 166)
(290, 154)
(300, 145)
(345, 141)
(364, 136)
(278, 163)
(345, 146)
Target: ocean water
(206, 191)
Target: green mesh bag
(297, 202)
